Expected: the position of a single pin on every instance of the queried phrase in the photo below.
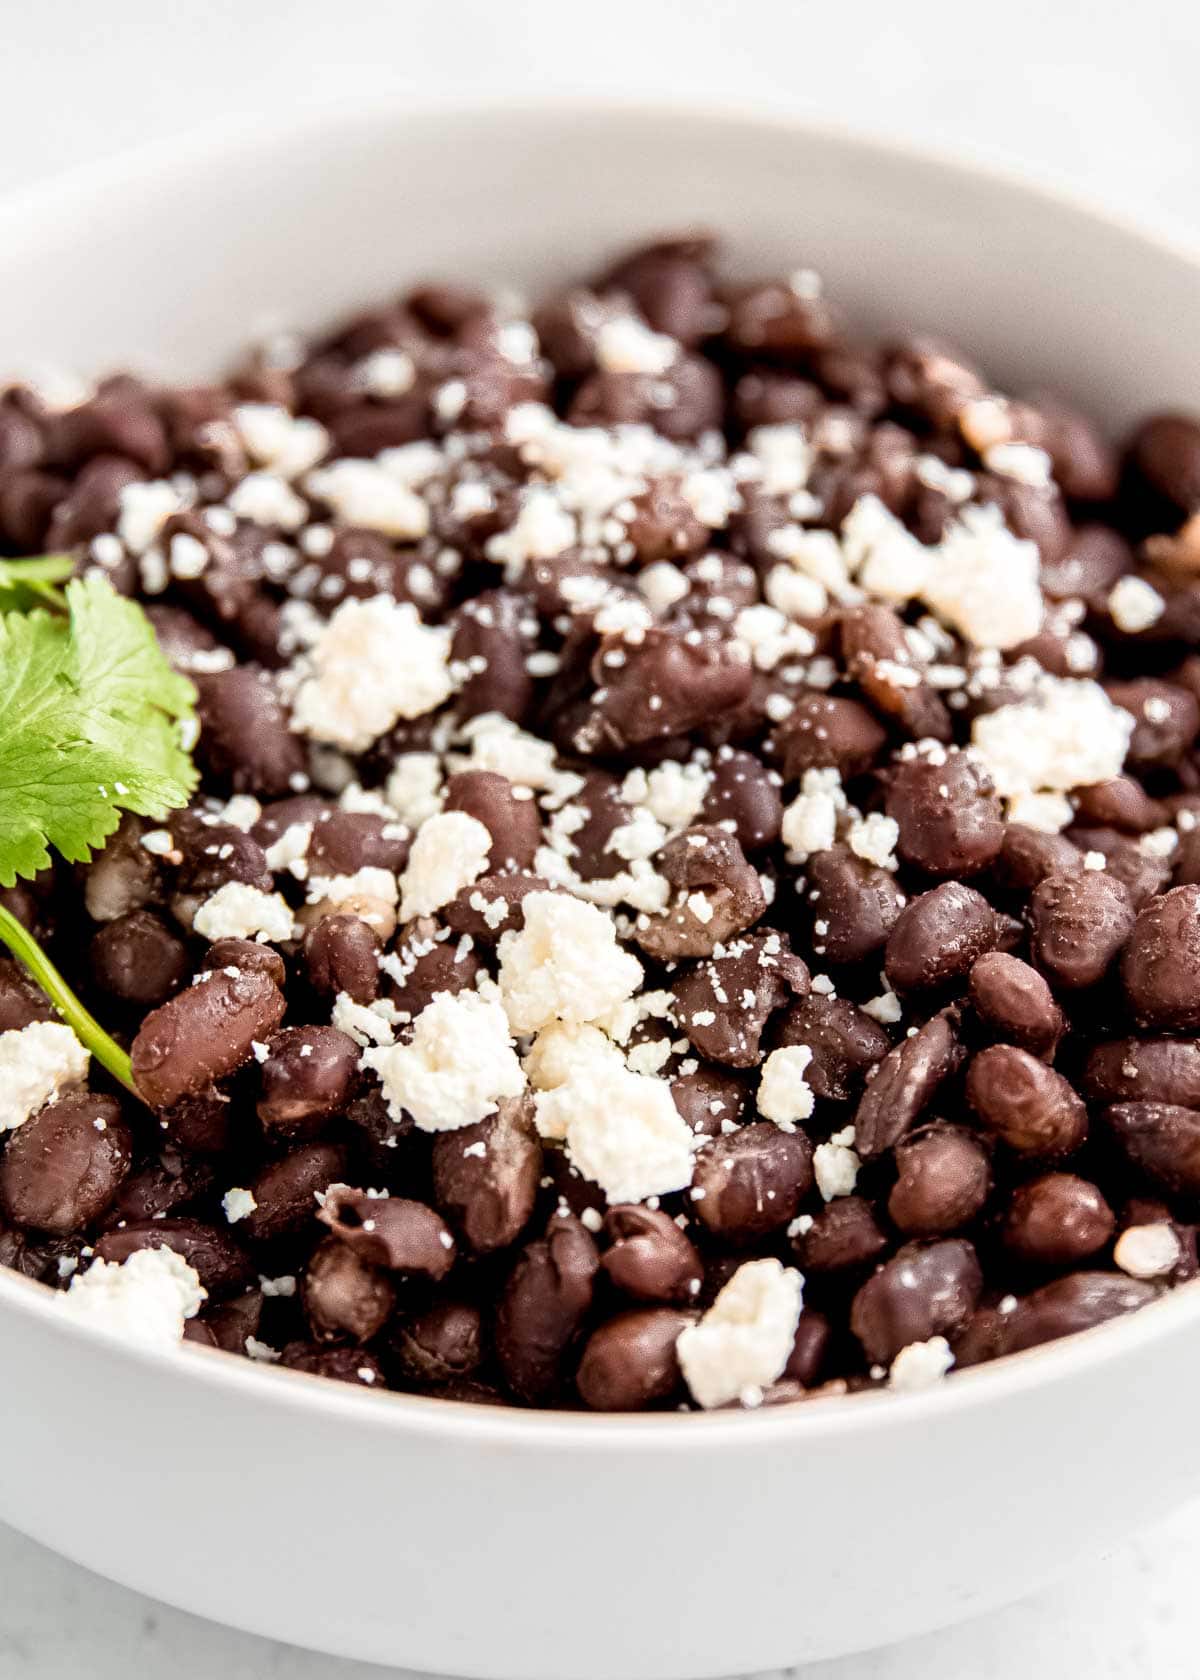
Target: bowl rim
(825, 1418)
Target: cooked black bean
(214, 1254)
(938, 937)
(343, 1295)
(440, 1344)
(904, 1084)
(630, 1362)
(1015, 1002)
(924, 1290)
(649, 1257)
(948, 813)
(390, 1231)
(138, 959)
(285, 1192)
(750, 1183)
(203, 1034)
(307, 1077)
(485, 1177)
(1026, 1104)
(943, 1179)
(543, 1307)
(64, 1166)
(1057, 1220)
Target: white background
(1101, 95)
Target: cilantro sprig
(93, 723)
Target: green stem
(86, 1028)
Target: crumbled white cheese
(238, 1204)
(836, 1165)
(1066, 734)
(816, 555)
(1135, 605)
(280, 441)
(744, 1340)
(457, 1067)
(526, 760)
(187, 556)
(290, 851)
(268, 499)
(238, 911)
(242, 811)
(564, 965)
(414, 787)
(1048, 812)
(673, 793)
(568, 1050)
(365, 494)
(143, 511)
(626, 345)
(920, 1365)
(662, 584)
(874, 838)
(621, 1129)
(886, 1008)
(783, 1093)
(783, 458)
(37, 1063)
(371, 884)
(793, 594)
(1024, 463)
(145, 1299)
(770, 637)
(1148, 1251)
(449, 852)
(810, 821)
(542, 530)
(386, 373)
(365, 1023)
(888, 561)
(373, 663)
(983, 581)
(712, 496)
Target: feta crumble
(784, 1095)
(564, 965)
(449, 853)
(238, 1204)
(37, 1064)
(1066, 734)
(835, 1165)
(365, 494)
(372, 664)
(145, 1299)
(1148, 1251)
(457, 1067)
(621, 1129)
(920, 1365)
(238, 911)
(1135, 605)
(744, 1340)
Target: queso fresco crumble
(693, 897)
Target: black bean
(65, 1165)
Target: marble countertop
(1095, 96)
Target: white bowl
(508, 1543)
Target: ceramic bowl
(554, 1546)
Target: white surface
(1094, 94)
(1130, 1617)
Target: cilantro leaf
(90, 719)
(25, 584)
